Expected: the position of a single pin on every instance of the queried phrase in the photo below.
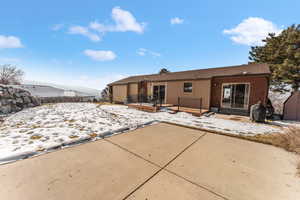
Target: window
(187, 87)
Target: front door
(159, 92)
(235, 96)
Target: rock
(26, 99)
(258, 112)
(4, 102)
(19, 100)
(35, 101)
(30, 105)
(10, 91)
(5, 109)
(17, 95)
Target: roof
(247, 69)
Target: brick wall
(259, 86)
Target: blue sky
(90, 43)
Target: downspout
(210, 91)
(268, 88)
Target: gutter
(192, 79)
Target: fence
(64, 99)
(144, 99)
(191, 103)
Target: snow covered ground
(210, 123)
(37, 130)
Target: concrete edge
(248, 138)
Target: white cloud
(141, 52)
(124, 22)
(57, 27)
(10, 42)
(5, 60)
(144, 52)
(176, 20)
(100, 55)
(252, 31)
(80, 30)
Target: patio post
(178, 103)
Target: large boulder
(258, 112)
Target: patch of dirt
(93, 135)
(35, 126)
(236, 118)
(70, 121)
(36, 137)
(73, 136)
(41, 149)
(103, 103)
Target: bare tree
(10, 75)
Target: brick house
(226, 89)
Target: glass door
(159, 92)
(162, 93)
(235, 96)
(227, 96)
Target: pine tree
(282, 52)
(105, 93)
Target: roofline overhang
(191, 79)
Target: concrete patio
(161, 161)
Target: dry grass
(69, 121)
(103, 103)
(290, 140)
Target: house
(226, 89)
(292, 107)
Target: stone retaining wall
(13, 99)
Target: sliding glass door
(235, 95)
(159, 93)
